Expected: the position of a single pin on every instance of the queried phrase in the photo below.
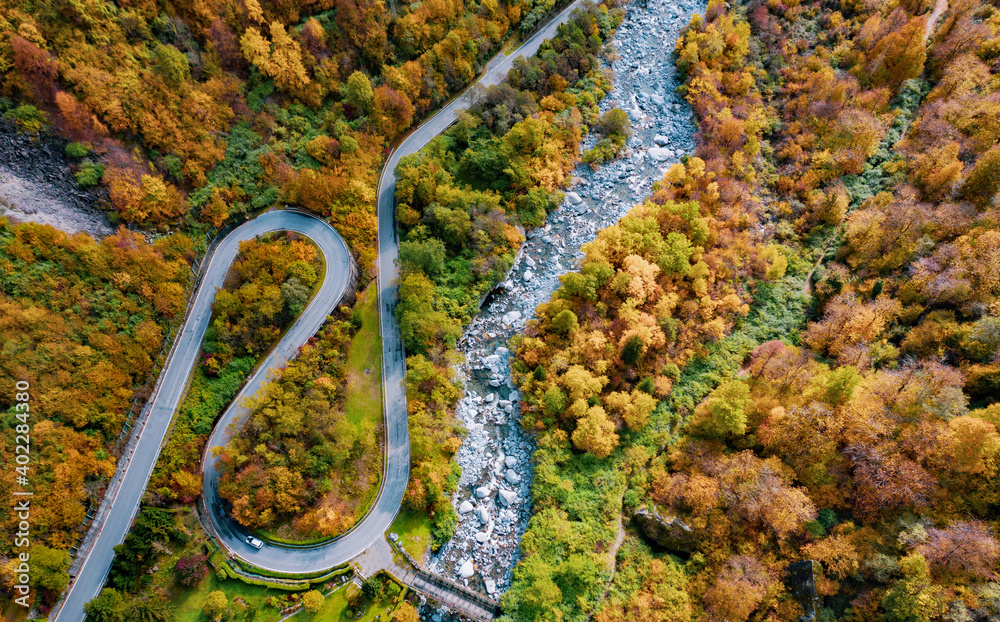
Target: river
(493, 497)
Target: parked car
(254, 542)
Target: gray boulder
(660, 153)
(667, 532)
(508, 498)
(467, 569)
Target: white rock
(494, 383)
(482, 492)
(660, 153)
(512, 477)
(514, 396)
(467, 569)
(573, 198)
(510, 317)
(510, 461)
(491, 585)
(502, 353)
(466, 507)
(482, 536)
(483, 514)
(508, 498)
(661, 140)
(528, 275)
(657, 99)
(530, 262)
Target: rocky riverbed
(36, 185)
(493, 499)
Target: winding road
(124, 503)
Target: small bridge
(383, 555)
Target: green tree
(172, 65)
(676, 255)
(553, 401)
(632, 350)
(215, 605)
(358, 93)
(452, 225)
(372, 588)
(49, 568)
(913, 598)
(108, 606)
(153, 608)
(615, 123)
(296, 295)
(565, 322)
(538, 596)
(427, 255)
(722, 413)
(312, 601)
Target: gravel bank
(36, 185)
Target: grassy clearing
(363, 393)
(187, 605)
(414, 531)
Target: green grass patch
(414, 531)
(187, 605)
(363, 395)
(335, 607)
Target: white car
(254, 542)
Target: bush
(215, 605)
(76, 150)
(443, 527)
(90, 174)
(30, 119)
(191, 570)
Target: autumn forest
(769, 392)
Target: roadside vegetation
(270, 282)
(761, 412)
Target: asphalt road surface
(275, 557)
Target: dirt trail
(939, 8)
